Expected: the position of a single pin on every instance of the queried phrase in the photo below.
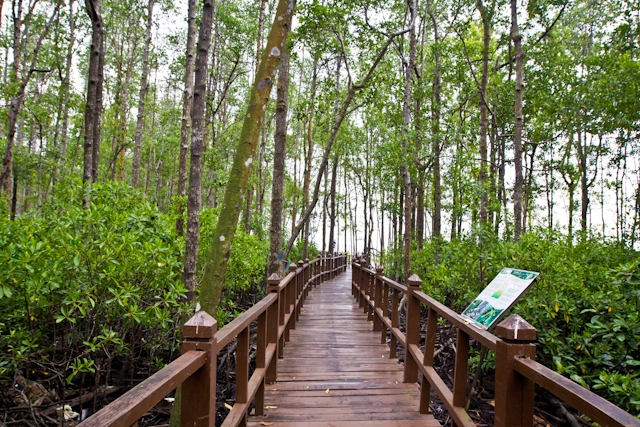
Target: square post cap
(201, 326)
(414, 280)
(515, 328)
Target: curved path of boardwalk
(336, 373)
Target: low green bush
(584, 303)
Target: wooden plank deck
(336, 373)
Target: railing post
(299, 289)
(412, 329)
(275, 318)
(514, 392)
(377, 298)
(289, 301)
(361, 290)
(198, 406)
(393, 343)
(429, 350)
(307, 277)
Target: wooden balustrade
(196, 368)
(517, 372)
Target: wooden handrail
(196, 369)
(132, 405)
(516, 370)
(595, 407)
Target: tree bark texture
(187, 102)
(484, 111)
(279, 154)
(517, 130)
(406, 122)
(217, 261)
(194, 203)
(144, 88)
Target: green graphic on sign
(499, 295)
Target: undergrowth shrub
(584, 303)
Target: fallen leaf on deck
(229, 407)
(265, 423)
(271, 407)
(327, 391)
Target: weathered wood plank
(336, 373)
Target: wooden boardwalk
(336, 373)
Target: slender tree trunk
(187, 102)
(484, 107)
(309, 157)
(66, 94)
(217, 261)
(406, 121)
(435, 130)
(194, 203)
(144, 87)
(332, 214)
(279, 155)
(517, 130)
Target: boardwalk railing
(276, 315)
(517, 372)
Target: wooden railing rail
(516, 370)
(196, 368)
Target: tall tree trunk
(435, 131)
(279, 155)
(97, 120)
(517, 130)
(309, 157)
(484, 110)
(65, 95)
(406, 121)
(217, 261)
(194, 203)
(144, 87)
(332, 214)
(187, 102)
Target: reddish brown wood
(273, 321)
(131, 406)
(514, 392)
(199, 390)
(461, 367)
(412, 328)
(595, 407)
(336, 371)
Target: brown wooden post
(242, 370)
(299, 288)
(275, 318)
(514, 392)
(429, 349)
(261, 359)
(307, 277)
(412, 329)
(377, 297)
(461, 370)
(198, 405)
(289, 297)
(361, 295)
(393, 344)
(385, 311)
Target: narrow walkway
(336, 373)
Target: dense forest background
(447, 138)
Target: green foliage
(89, 284)
(584, 304)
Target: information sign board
(499, 296)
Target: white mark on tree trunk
(248, 162)
(222, 238)
(275, 51)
